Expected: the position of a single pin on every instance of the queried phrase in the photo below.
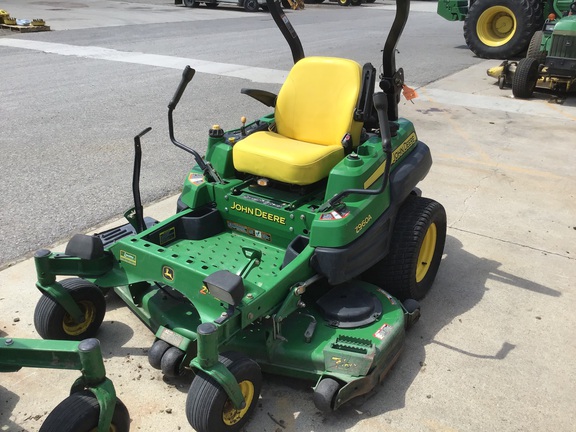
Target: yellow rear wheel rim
(231, 415)
(426, 253)
(496, 26)
(71, 327)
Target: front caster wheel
(79, 413)
(325, 394)
(156, 352)
(208, 407)
(53, 322)
(171, 364)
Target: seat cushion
(316, 102)
(274, 156)
(314, 111)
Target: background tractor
(500, 29)
(550, 63)
(551, 59)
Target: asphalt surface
(68, 120)
(494, 349)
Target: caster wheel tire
(156, 352)
(208, 407)
(325, 394)
(411, 305)
(415, 250)
(79, 412)
(171, 362)
(53, 322)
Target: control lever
(187, 75)
(206, 168)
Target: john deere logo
(168, 273)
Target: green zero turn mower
(300, 245)
(92, 404)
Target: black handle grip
(187, 75)
(380, 102)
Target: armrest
(266, 97)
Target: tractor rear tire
(534, 48)
(208, 408)
(79, 413)
(416, 247)
(525, 78)
(53, 322)
(501, 29)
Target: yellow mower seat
(314, 111)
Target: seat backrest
(317, 100)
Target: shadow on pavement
(459, 287)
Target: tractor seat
(314, 111)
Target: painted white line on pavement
(414, 7)
(255, 74)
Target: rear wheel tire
(79, 412)
(325, 394)
(409, 269)
(208, 407)
(525, 78)
(53, 322)
(344, 2)
(191, 3)
(501, 29)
